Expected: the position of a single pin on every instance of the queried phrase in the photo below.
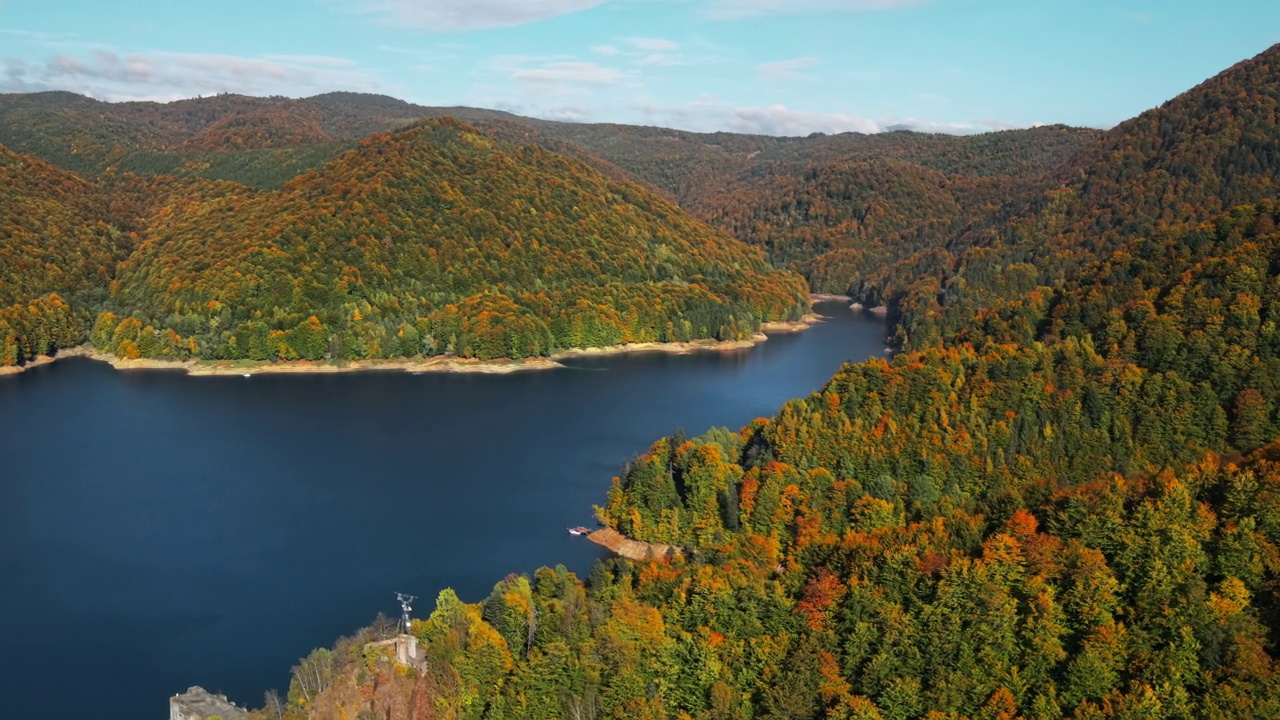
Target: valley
(1057, 496)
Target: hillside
(1060, 500)
(878, 198)
(1139, 597)
(1036, 528)
(1209, 149)
(263, 142)
(57, 253)
(435, 239)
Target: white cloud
(787, 69)
(709, 114)
(317, 60)
(109, 75)
(663, 60)
(582, 73)
(563, 113)
(779, 120)
(457, 15)
(606, 50)
(566, 114)
(451, 15)
(653, 44)
(734, 9)
(34, 35)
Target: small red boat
(579, 530)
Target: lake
(159, 531)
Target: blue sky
(768, 66)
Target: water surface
(159, 531)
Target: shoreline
(879, 310)
(209, 368)
(620, 544)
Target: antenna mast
(405, 608)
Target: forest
(434, 240)
(1060, 500)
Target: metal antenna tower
(405, 607)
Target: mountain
(437, 238)
(56, 250)
(727, 179)
(875, 195)
(1206, 151)
(1124, 598)
(257, 141)
(1061, 499)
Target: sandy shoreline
(620, 544)
(414, 365)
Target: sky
(778, 67)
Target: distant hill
(437, 238)
(256, 141)
(937, 226)
(728, 179)
(1210, 149)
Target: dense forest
(769, 191)
(57, 252)
(1200, 154)
(434, 240)
(1061, 500)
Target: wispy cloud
(580, 73)
(708, 113)
(663, 60)
(561, 112)
(109, 75)
(34, 35)
(653, 44)
(315, 60)
(649, 52)
(781, 120)
(788, 69)
(454, 15)
(735, 9)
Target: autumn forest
(1059, 499)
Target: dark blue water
(159, 531)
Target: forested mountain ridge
(88, 135)
(257, 141)
(838, 209)
(435, 239)
(847, 207)
(731, 180)
(1061, 500)
(1212, 148)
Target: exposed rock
(200, 704)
